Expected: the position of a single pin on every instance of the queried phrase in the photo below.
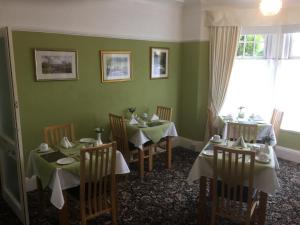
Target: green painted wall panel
(87, 101)
(289, 139)
(194, 89)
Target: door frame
(18, 144)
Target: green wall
(194, 89)
(289, 139)
(86, 102)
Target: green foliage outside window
(251, 46)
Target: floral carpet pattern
(165, 198)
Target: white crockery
(44, 147)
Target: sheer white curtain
(252, 86)
(223, 46)
(288, 93)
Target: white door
(11, 151)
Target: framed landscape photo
(159, 63)
(55, 64)
(115, 66)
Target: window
(265, 75)
(251, 45)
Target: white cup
(44, 147)
(216, 137)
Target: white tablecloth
(62, 179)
(139, 138)
(264, 130)
(264, 180)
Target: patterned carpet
(165, 198)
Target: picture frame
(115, 66)
(56, 64)
(159, 63)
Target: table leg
(141, 163)
(202, 201)
(150, 164)
(263, 197)
(169, 152)
(64, 212)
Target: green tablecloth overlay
(154, 133)
(45, 169)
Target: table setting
(58, 167)
(265, 129)
(144, 128)
(266, 164)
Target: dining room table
(265, 129)
(59, 170)
(265, 176)
(154, 131)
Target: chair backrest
(164, 113)
(232, 168)
(53, 134)
(276, 121)
(248, 131)
(97, 180)
(119, 134)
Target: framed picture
(115, 66)
(159, 63)
(55, 64)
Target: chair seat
(231, 197)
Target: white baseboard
(30, 184)
(288, 154)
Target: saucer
(216, 142)
(264, 158)
(65, 161)
(87, 140)
(208, 152)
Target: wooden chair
(248, 131)
(164, 113)
(231, 199)
(276, 121)
(98, 190)
(130, 153)
(53, 134)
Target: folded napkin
(240, 142)
(133, 121)
(154, 117)
(66, 143)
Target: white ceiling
(233, 2)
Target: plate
(142, 126)
(87, 140)
(40, 151)
(217, 142)
(208, 152)
(258, 159)
(65, 161)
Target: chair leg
(141, 163)
(114, 211)
(169, 152)
(150, 164)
